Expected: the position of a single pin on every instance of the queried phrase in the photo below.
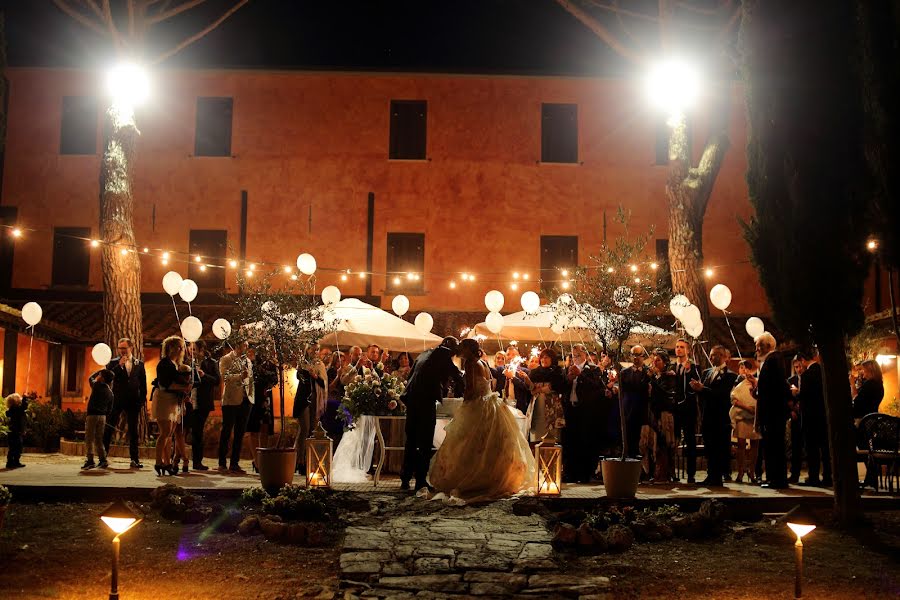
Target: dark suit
(130, 391)
(634, 387)
(715, 398)
(815, 425)
(772, 395)
(426, 385)
(686, 414)
(582, 440)
(205, 387)
(795, 410)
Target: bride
(484, 455)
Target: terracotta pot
(621, 477)
(276, 467)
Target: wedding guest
(797, 422)
(173, 383)
(325, 356)
(372, 358)
(714, 392)
(534, 361)
(130, 392)
(583, 401)
(687, 408)
(516, 391)
(547, 383)
(772, 394)
(237, 398)
(499, 372)
(657, 441)
(743, 420)
(261, 420)
(99, 405)
(402, 367)
(871, 390)
(206, 379)
(634, 387)
(353, 368)
(16, 405)
(815, 423)
(334, 418)
(593, 358)
(309, 400)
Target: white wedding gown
(484, 455)
(353, 458)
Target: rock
(651, 530)
(506, 579)
(295, 533)
(600, 543)
(712, 510)
(249, 526)
(195, 515)
(694, 526)
(619, 538)
(483, 562)
(431, 565)
(585, 535)
(315, 535)
(164, 491)
(189, 500)
(536, 551)
(171, 507)
(229, 520)
(529, 506)
(564, 534)
(394, 568)
(451, 583)
(273, 530)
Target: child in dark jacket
(16, 405)
(99, 406)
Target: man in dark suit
(795, 407)
(583, 404)
(714, 392)
(130, 391)
(206, 380)
(426, 385)
(514, 383)
(815, 425)
(772, 394)
(686, 405)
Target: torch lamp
(120, 519)
(801, 523)
(319, 449)
(548, 456)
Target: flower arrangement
(374, 393)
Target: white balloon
(678, 304)
(755, 326)
(530, 302)
(400, 304)
(623, 296)
(331, 295)
(424, 322)
(221, 328)
(32, 313)
(188, 290)
(696, 330)
(306, 263)
(102, 354)
(720, 296)
(493, 301)
(558, 328)
(172, 283)
(690, 316)
(191, 329)
(494, 322)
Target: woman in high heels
(743, 419)
(173, 382)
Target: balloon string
(177, 318)
(28, 372)
(733, 339)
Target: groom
(426, 385)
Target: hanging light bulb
(249, 273)
(525, 276)
(232, 264)
(452, 285)
(165, 256)
(514, 286)
(146, 250)
(94, 243)
(396, 281)
(198, 258)
(362, 275)
(203, 268)
(344, 277)
(16, 232)
(294, 277)
(565, 285)
(709, 272)
(516, 275)
(252, 266)
(633, 268)
(565, 273)
(654, 266)
(288, 270)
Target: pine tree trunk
(841, 434)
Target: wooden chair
(879, 439)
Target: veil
(353, 457)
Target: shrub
(253, 496)
(297, 503)
(43, 424)
(4, 420)
(72, 422)
(5, 495)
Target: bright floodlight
(128, 84)
(673, 85)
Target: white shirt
(573, 396)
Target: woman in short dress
(743, 420)
(173, 383)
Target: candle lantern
(319, 448)
(548, 456)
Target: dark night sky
(471, 36)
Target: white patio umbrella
(362, 324)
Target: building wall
(309, 147)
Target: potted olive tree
(285, 320)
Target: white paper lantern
(720, 296)
(400, 304)
(32, 313)
(678, 304)
(306, 263)
(755, 327)
(696, 330)
(493, 301)
(188, 290)
(494, 322)
(172, 283)
(530, 302)
(424, 322)
(102, 354)
(221, 328)
(690, 316)
(623, 296)
(191, 329)
(331, 295)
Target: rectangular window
(73, 374)
(406, 263)
(78, 132)
(211, 246)
(213, 135)
(558, 252)
(71, 256)
(663, 274)
(408, 129)
(559, 133)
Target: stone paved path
(480, 551)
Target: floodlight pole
(114, 584)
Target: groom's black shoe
(404, 485)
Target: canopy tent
(537, 328)
(362, 324)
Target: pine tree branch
(80, 18)
(601, 31)
(175, 11)
(111, 25)
(200, 33)
(95, 8)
